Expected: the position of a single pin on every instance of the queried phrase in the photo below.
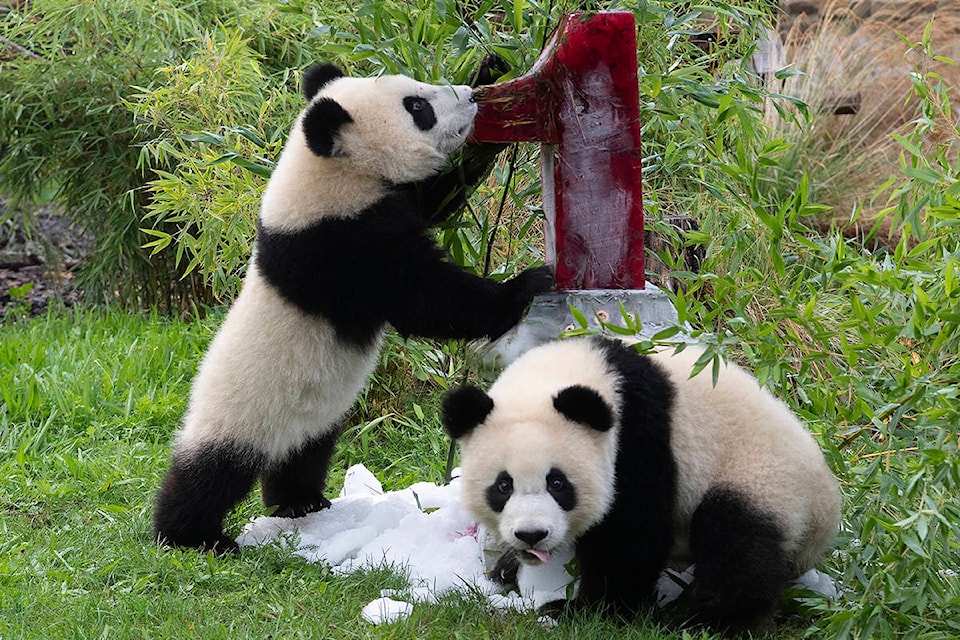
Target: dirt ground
(36, 265)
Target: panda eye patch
(559, 487)
(422, 112)
(500, 491)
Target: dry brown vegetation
(846, 51)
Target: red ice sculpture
(581, 101)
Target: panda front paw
(616, 611)
(515, 295)
(518, 293)
(505, 571)
(529, 283)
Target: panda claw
(505, 570)
(490, 68)
(300, 510)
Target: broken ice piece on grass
(386, 610)
(360, 481)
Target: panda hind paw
(301, 509)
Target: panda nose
(531, 537)
(473, 97)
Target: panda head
(537, 456)
(392, 126)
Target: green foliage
(908, 518)
(205, 211)
(864, 347)
(683, 88)
(100, 106)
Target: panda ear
(321, 123)
(464, 409)
(316, 76)
(585, 406)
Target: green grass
(91, 399)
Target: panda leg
(202, 485)
(741, 566)
(295, 485)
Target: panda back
(736, 434)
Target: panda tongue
(542, 556)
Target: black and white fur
(641, 467)
(342, 249)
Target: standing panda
(342, 249)
(641, 467)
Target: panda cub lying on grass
(342, 249)
(641, 467)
